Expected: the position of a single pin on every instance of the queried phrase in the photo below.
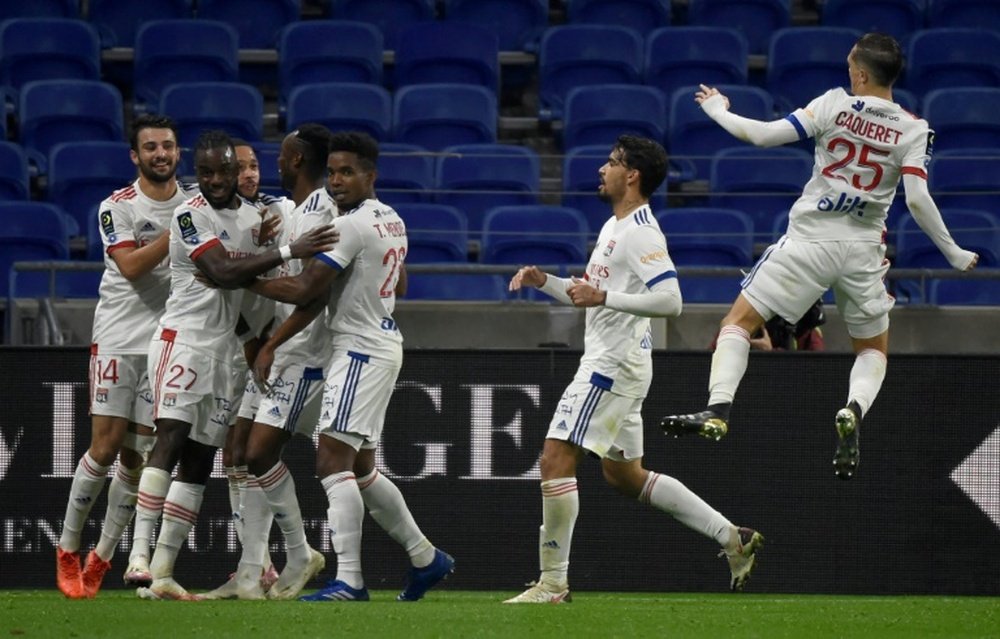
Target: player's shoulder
(642, 220)
(189, 189)
(123, 195)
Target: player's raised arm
(716, 106)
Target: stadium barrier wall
(462, 441)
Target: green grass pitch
(118, 613)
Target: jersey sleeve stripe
(195, 254)
(659, 278)
(329, 261)
(121, 245)
(798, 126)
(913, 170)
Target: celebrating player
(191, 354)
(357, 284)
(865, 143)
(630, 278)
(133, 291)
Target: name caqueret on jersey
(865, 128)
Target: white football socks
(153, 486)
(729, 363)
(346, 512)
(122, 495)
(560, 507)
(279, 489)
(674, 498)
(180, 512)
(867, 375)
(388, 508)
(88, 481)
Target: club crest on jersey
(101, 395)
(609, 248)
(108, 226)
(857, 106)
(169, 399)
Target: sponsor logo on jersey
(148, 226)
(843, 204)
(929, 149)
(655, 256)
(857, 106)
(562, 425)
(223, 235)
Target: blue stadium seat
(47, 48)
(963, 117)
(965, 292)
(906, 99)
(405, 173)
(341, 106)
(439, 115)
(30, 231)
(898, 18)
(258, 23)
(267, 161)
(477, 177)
(580, 179)
(704, 236)
(518, 24)
(448, 52)
(760, 182)
(237, 109)
(54, 111)
(172, 51)
(436, 233)
(460, 287)
(328, 51)
(693, 137)
(584, 54)
(683, 56)
(599, 114)
(966, 178)
(14, 184)
(40, 9)
(972, 230)
(538, 234)
(83, 174)
(117, 21)
(972, 14)
(755, 19)
(805, 62)
(390, 16)
(944, 58)
(641, 15)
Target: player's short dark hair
(214, 139)
(314, 143)
(149, 121)
(881, 56)
(358, 143)
(647, 157)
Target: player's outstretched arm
(928, 217)
(716, 106)
(312, 283)
(532, 276)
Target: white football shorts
(596, 419)
(119, 386)
(294, 401)
(192, 387)
(792, 274)
(355, 397)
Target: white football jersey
(206, 317)
(370, 254)
(630, 257)
(127, 312)
(863, 147)
(310, 346)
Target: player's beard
(152, 175)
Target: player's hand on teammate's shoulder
(270, 227)
(204, 279)
(527, 276)
(317, 240)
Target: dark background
(901, 526)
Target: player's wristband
(285, 252)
